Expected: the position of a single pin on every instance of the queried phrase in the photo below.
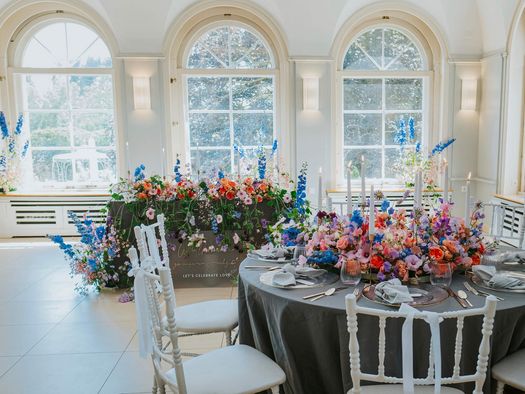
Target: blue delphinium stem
(261, 162)
(3, 126)
(139, 173)
(300, 198)
(176, 170)
(274, 147)
(411, 129)
(441, 146)
(19, 123)
(401, 136)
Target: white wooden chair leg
(500, 387)
(275, 390)
(228, 338)
(154, 390)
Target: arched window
(65, 78)
(230, 96)
(384, 80)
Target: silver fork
(480, 293)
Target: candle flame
(445, 161)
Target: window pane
(362, 94)
(247, 51)
(404, 94)
(362, 129)
(253, 129)
(383, 49)
(371, 43)
(229, 47)
(208, 93)
(252, 93)
(93, 129)
(107, 166)
(46, 91)
(209, 129)
(209, 161)
(48, 166)
(49, 129)
(392, 125)
(373, 161)
(408, 60)
(66, 44)
(91, 92)
(392, 156)
(356, 59)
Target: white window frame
(341, 74)
(229, 73)
(16, 73)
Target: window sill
(58, 193)
(514, 198)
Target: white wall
(468, 28)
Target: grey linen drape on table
(310, 340)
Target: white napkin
(298, 270)
(393, 292)
(282, 278)
(497, 258)
(275, 253)
(493, 278)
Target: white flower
(287, 198)
(236, 239)
(219, 219)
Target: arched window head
(66, 45)
(381, 49)
(230, 47)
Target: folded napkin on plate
(495, 279)
(275, 253)
(289, 273)
(393, 292)
(497, 258)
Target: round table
(309, 340)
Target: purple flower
(413, 262)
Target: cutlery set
(328, 293)
(462, 297)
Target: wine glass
(441, 274)
(350, 272)
(300, 250)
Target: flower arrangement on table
(225, 213)
(12, 153)
(92, 259)
(402, 246)
(413, 158)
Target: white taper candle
(349, 188)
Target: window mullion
(383, 120)
(232, 134)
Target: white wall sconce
(311, 94)
(141, 93)
(469, 94)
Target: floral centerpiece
(12, 152)
(92, 259)
(403, 246)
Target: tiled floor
(54, 341)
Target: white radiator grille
(39, 216)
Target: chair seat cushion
(398, 388)
(212, 316)
(511, 370)
(230, 370)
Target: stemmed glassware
(441, 274)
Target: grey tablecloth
(310, 340)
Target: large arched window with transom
(65, 90)
(384, 80)
(230, 84)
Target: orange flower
(230, 195)
(248, 181)
(450, 246)
(263, 187)
(259, 198)
(376, 261)
(436, 253)
(476, 259)
(142, 196)
(250, 190)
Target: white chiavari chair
(229, 370)
(201, 318)
(511, 372)
(422, 385)
(507, 222)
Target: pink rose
(342, 243)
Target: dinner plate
(427, 295)
(479, 282)
(266, 260)
(327, 278)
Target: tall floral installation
(222, 213)
(13, 150)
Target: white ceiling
(470, 27)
